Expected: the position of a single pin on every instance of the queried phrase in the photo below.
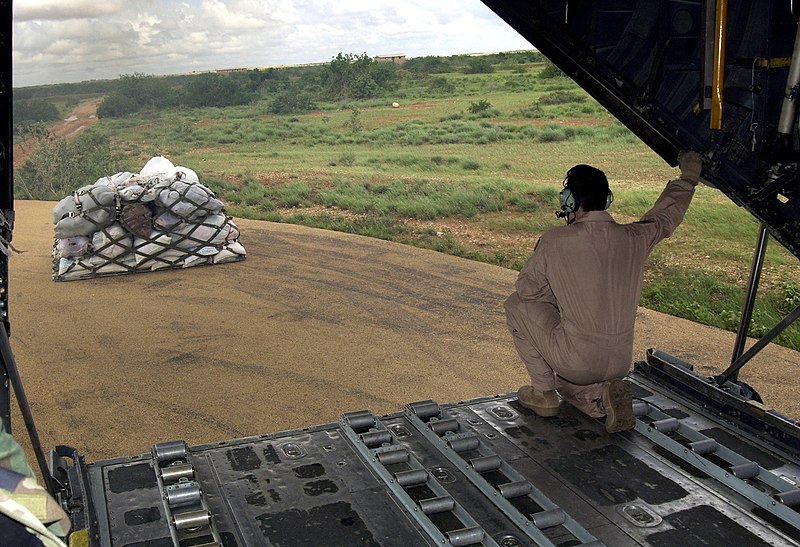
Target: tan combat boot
(543, 403)
(618, 405)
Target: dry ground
(314, 323)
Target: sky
(56, 41)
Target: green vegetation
(57, 167)
(34, 110)
(709, 298)
(469, 164)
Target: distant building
(396, 58)
(228, 71)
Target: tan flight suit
(574, 308)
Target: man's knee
(523, 315)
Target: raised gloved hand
(690, 165)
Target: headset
(569, 204)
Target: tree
(34, 110)
(350, 76)
(134, 93)
(216, 90)
(149, 92)
(479, 65)
(117, 105)
(428, 65)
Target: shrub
(135, 93)
(471, 165)
(57, 167)
(479, 65)
(215, 90)
(348, 158)
(117, 105)
(253, 193)
(354, 121)
(561, 97)
(454, 116)
(440, 84)
(552, 133)
(293, 194)
(791, 293)
(551, 71)
(291, 101)
(34, 110)
(428, 65)
(480, 107)
(533, 111)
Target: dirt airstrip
(312, 324)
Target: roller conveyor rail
(378, 448)
(452, 439)
(760, 486)
(188, 515)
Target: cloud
(239, 16)
(66, 41)
(29, 10)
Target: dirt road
(82, 117)
(312, 324)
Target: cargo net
(159, 218)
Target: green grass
(709, 298)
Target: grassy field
(473, 172)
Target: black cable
(25, 409)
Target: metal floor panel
(311, 487)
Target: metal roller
(440, 427)
(486, 463)
(667, 425)
(789, 498)
(182, 495)
(415, 477)
(425, 409)
(441, 504)
(393, 456)
(746, 470)
(376, 438)
(515, 489)
(170, 451)
(191, 520)
(548, 519)
(641, 408)
(360, 419)
(466, 536)
(177, 471)
(462, 444)
(704, 447)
